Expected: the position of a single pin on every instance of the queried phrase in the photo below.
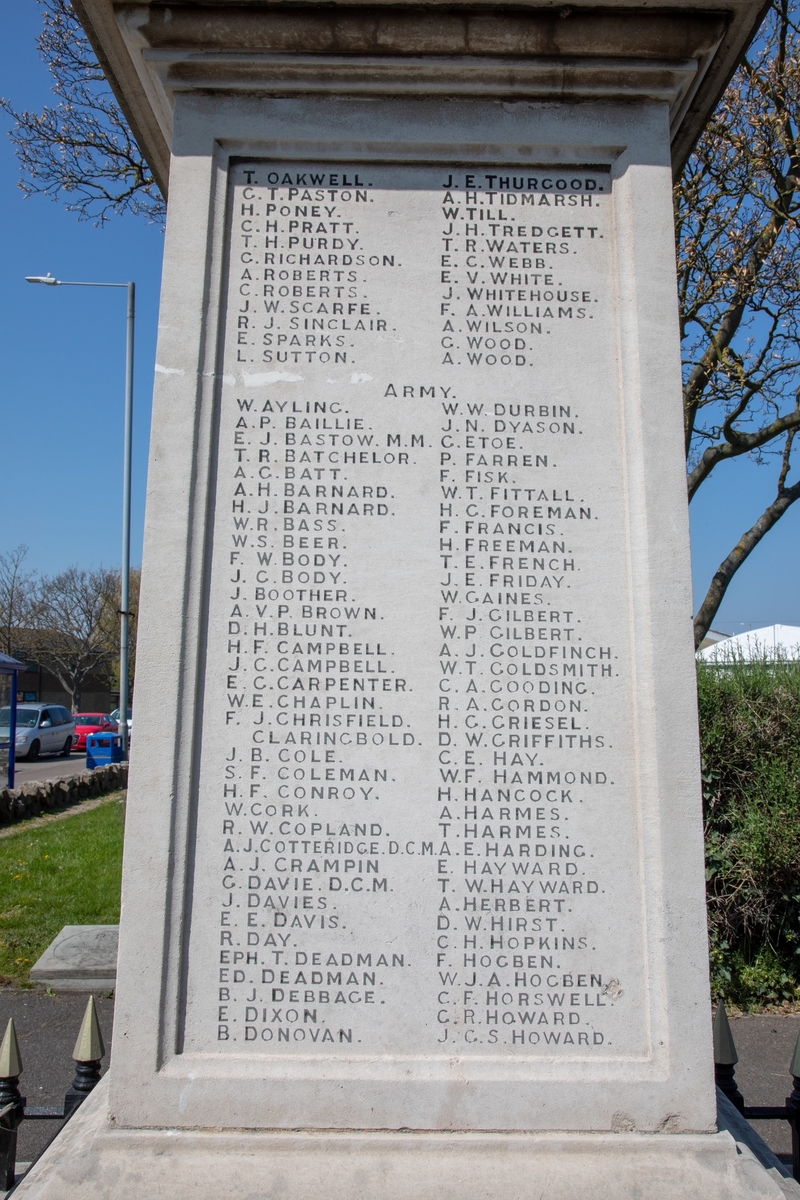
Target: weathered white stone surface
(402, 1002)
(89, 1160)
(748, 1141)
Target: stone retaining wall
(32, 799)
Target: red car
(91, 723)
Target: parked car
(92, 723)
(115, 717)
(41, 729)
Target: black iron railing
(14, 1109)
(89, 1052)
(725, 1060)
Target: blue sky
(63, 351)
(61, 398)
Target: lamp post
(126, 490)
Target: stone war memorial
(413, 900)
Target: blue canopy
(9, 665)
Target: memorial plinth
(413, 896)
(81, 958)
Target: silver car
(41, 729)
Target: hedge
(750, 745)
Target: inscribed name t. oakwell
(417, 820)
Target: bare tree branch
(74, 635)
(737, 212)
(742, 443)
(17, 597)
(737, 220)
(745, 546)
(81, 151)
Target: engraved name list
(417, 703)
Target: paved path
(765, 1045)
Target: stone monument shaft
(414, 831)
(429, 769)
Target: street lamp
(126, 490)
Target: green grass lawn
(64, 873)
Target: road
(49, 768)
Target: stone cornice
(679, 55)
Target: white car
(115, 717)
(41, 729)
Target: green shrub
(750, 743)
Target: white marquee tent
(772, 642)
